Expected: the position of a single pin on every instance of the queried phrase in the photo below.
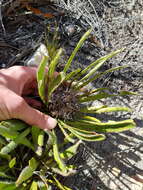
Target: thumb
(35, 117)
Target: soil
(116, 163)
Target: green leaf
(34, 186)
(103, 109)
(97, 76)
(41, 138)
(57, 157)
(15, 124)
(124, 93)
(8, 148)
(18, 140)
(12, 162)
(97, 64)
(33, 163)
(25, 174)
(83, 133)
(98, 96)
(60, 124)
(53, 64)
(87, 135)
(55, 83)
(59, 185)
(111, 126)
(70, 152)
(8, 132)
(41, 77)
(112, 109)
(35, 132)
(86, 117)
(91, 109)
(72, 74)
(8, 186)
(80, 43)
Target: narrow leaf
(97, 64)
(12, 162)
(70, 152)
(72, 74)
(41, 77)
(80, 43)
(57, 156)
(33, 163)
(97, 75)
(15, 124)
(65, 133)
(98, 96)
(112, 109)
(8, 132)
(34, 186)
(25, 174)
(53, 64)
(55, 83)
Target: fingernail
(51, 123)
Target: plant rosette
(32, 159)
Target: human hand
(15, 83)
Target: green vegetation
(32, 159)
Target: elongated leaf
(72, 74)
(98, 96)
(97, 75)
(103, 109)
(14, 124)
(124, 93)
(25, 174)
(112, 109)
(53, 64)
(8, 132)
(35, 133)
(91, 109)
(59, 185)
(97, 64)
(19, 140)
(34, 186)
(91, 92)
(80, 43)
(57, 157)
(41, 77)
(70, 152)
(8, 186)
(41, 138)
(33, 163)
(86, 117)
(65, 133)
(12, 162)
(84, 133)
(8, 148)
(87, 136)
(111, 126)
(55, 83)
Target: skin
(16, 83)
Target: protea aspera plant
(32, 159)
